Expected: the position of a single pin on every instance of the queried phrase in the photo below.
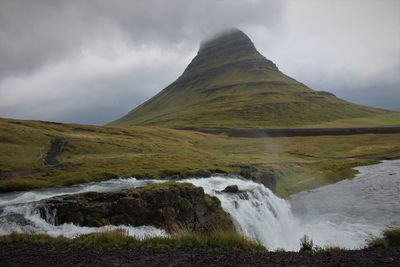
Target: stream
(344, 214)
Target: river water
(344, 214)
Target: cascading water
(344, 214)
(24, 219)
(17, 212)
(262, 216)
(256, 211)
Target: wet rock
(231, 189)
(18, 219)
(244, 196)
(165, 207)
(252, 172)
(268, 179)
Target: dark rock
(244, 195)
(164, 207)
(18, 219)
(268, 179)
(255, 173)
(231, 189)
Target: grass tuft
(34, 238)
(390, 238)
(119, 237)
(306, 244)
(166, 186)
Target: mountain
(229, 84)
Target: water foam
(256, 211)
(18, 215)
(344, 214)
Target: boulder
(168, 206)
(268, 179)
(252, 172)
(231, 189)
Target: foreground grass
(118, 238)
(307, 245)
(94, 153)
(390, 238)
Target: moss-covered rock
(170, 205)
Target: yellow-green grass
(252, 105)
(117, 238)
(390, 238)
(94, 153)
(237, 87)
(387, 119)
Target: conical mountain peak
(227, 48)
(229, 84)
(229, 38)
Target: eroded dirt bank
(28, 254)
(291, 132)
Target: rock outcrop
(267, 178)
(231, 189)
(169, 206)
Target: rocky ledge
(170, 206)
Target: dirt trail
(50, 161)
(28, 254)
(290, 132)
(55, 149)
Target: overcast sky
(92, 61)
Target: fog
(93, 61)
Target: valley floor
(38, 154)
(27, 254)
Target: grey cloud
(34, 32)
(350, 48)
(46, 47)
(377, 95)
(92, 61)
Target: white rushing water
(344, 214)
(257, 212)
(18, 215)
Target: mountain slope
(230, 84)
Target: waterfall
(344, 214)
(256, 211)
(18, 213)
(262, 216)
(49, 215)
(26, 219)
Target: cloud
(88, 87)
(33, 33)
(350, 48)
(92, 61)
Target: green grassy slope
(94, 153)
(230, 84)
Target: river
(344, 214)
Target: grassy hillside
(229, 84)
(93, 153)
(385, 119)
